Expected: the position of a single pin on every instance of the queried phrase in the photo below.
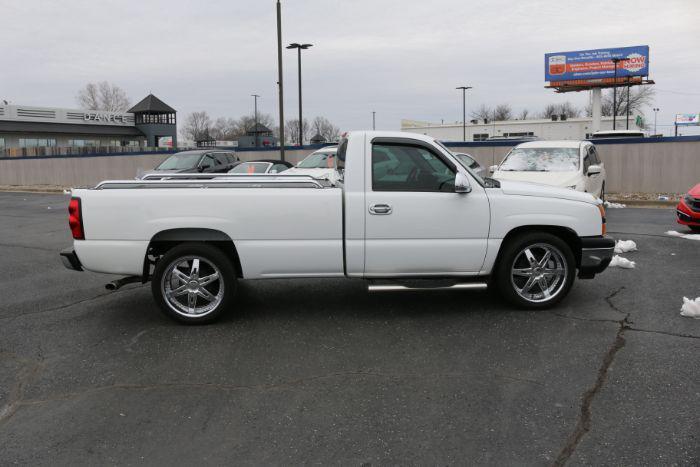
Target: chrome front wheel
(538, 272)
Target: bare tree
(523, 114)
(224, 129)
(246, 123)
(197, 126)
(483, 112)
(322, 126)
(639, 98)
(103, 96)
(292, 129)
(565, 108)
(502, 112)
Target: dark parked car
(264, 166)
(198, 161)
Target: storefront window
(36, 142)
(80, 143)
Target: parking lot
(319, 371)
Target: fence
(646, 165)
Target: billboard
(688, 119)
(596, 64)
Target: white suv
(568, 164)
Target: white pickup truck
(405, 215)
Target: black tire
(695, 228)
(210, 262)
(507, 283)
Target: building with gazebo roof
(156, 120)
(257, 136)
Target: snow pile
(624, 246)
(673, 233)
(691, 308)
(620, 262)
(610, 205)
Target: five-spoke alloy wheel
(193, 283)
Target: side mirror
(493, 168)
(593, 170)
(462, 183)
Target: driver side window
(405, 167)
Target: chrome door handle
(380, 209)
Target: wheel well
(567, 235)
(167, 239)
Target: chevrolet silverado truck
(405, 215)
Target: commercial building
(39, 131)
(478, 130)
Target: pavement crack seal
(25, 377)
(583, 424)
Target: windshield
(463, 163)
(541, 160)
(318, 160)
(250, 168)
(179, 161)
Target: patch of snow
(620, 262)
(673, 233)
(624, 246)
(610, 205)
(691, 308)
(48, 207)
(66, 192)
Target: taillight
(75, 219)
(602, 218)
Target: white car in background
(322, 163)
(566, 164)
(469, 161)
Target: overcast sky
(400, 58)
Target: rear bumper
(596, 254)
(70, 259)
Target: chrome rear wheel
(192, 286)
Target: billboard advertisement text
(596, 64)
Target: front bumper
(70, 259)
(596, 254)
(687, 216)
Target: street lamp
(655, 109)
(614, 110)
(255, 128)
(464, 110)
(294, 45)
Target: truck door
(415, 223)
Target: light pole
(255, 128)
(299, 47)
(614, 109)
(279, 76)
(655, 109)
(373, 120)
(464, 110)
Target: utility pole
(655, 109)
(279, 76)
(627, 127)
(299, 47)
(464, 110)
(614, 109)
(255, 128)
(374, 127)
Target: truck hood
(510, 187)
(562, 179)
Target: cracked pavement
(318, 371)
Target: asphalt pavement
(321, 372)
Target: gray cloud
(402, 59)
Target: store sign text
(106, 118)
